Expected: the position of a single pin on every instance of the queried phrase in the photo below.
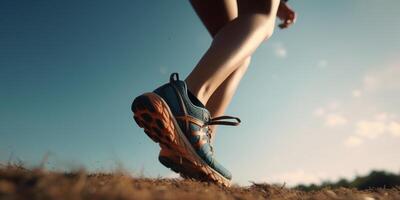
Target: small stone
(6, 187)
(368, 198)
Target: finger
(294, 17)
(286, 23)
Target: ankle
(195, 100)
(200, 93)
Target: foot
(178, 121)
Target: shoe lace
(221, 120)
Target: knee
(267, 24)
(246, 63)
(262, 14)
(244, 66)
(265, 7)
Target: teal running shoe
(179, 122)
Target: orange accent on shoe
(160, 125)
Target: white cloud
(383, 79)
(319, 112)
(394, 129)
(370, 129)
(322, 63)
(334, 105)
(333, 120)
(353, 141)
(356, 93)
(280, 51)
(370, 82)
(382, 116)
(381, 83)
(330, 116)
(382, 123)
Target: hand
(286, 14)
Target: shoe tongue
(198, 110)
(175, 78)
(194, 99)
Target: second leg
(215, 15)
(236, 41)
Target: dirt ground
(20, 183)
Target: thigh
(215, 14)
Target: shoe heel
(150, 113)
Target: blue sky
(319, 101)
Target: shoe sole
(184, 167)
(152, 114)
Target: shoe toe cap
(207, 155)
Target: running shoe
(179, 122)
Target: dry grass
(20, 183)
